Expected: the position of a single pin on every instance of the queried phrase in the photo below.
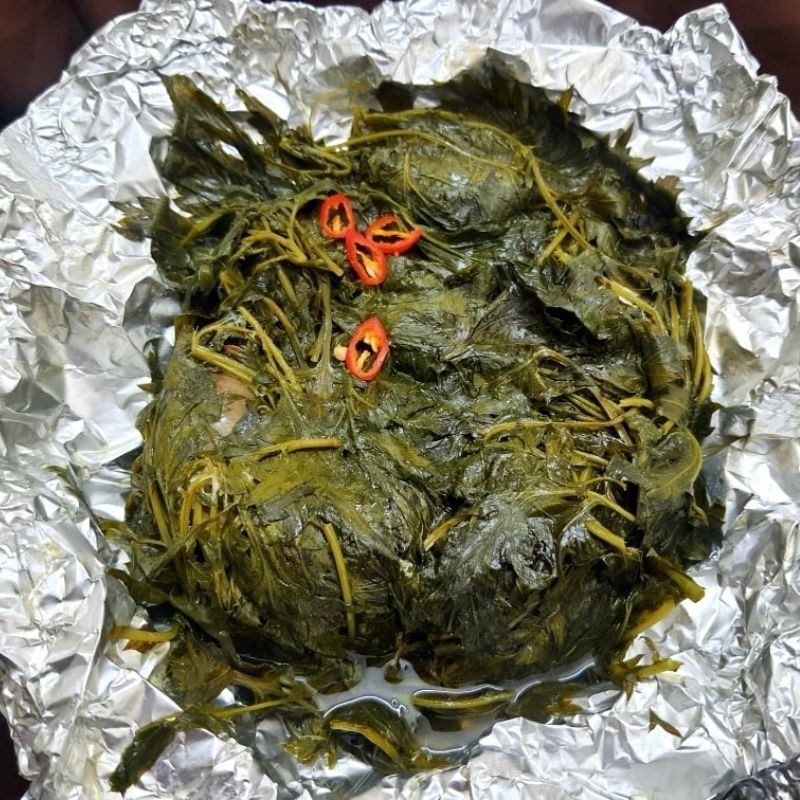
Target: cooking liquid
(446, 723)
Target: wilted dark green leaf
(516, 490)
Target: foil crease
(79, 304)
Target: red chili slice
(336, 216)
(388, 233)
(366, 259)
(367, 350)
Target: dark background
(37, 37)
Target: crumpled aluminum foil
(80, 304)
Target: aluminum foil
(80, 304)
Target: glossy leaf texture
(519, 485)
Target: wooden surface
(38, 36)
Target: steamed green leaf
(517, 490)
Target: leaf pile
(517, 488)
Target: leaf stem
(479, 703)
(341, 572)
(650, 618)
(370, 734)
(138, 635)
(442, 529)
(157, 507)
(291, 332)
(602, 500)
(555, 242)
(549, 199)
(530, 424)
(626, 293)
(228, 365)
(270, 348)
(687, 585)
(616, 541)
(293, 445)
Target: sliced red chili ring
(336, 216)
(367, 350)
(366, 259)
(388, 233)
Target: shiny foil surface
(79, 304)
